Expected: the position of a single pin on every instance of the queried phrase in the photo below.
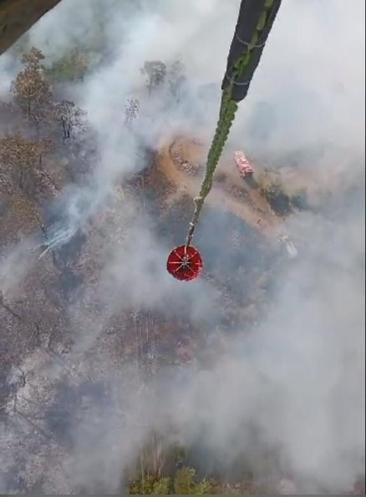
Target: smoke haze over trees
(112, 372)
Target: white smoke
(298, 376)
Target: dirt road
(231, 194)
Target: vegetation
(21, 156)
(176, 79)
(71, 67)
(36, 120)
(155, 72)
(300, 200)
(278, 200)
(69, 117)
(281, 201)
(45, 118)
(184, 482)
(150, 485)
(32, 91)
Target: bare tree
(155, 72)
(70, 117)
(31, 90)
(132, 109)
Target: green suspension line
(227, 112)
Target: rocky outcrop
(17, 16)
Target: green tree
(185, 483)
(149, 485)
(71, 67)
(162, 486)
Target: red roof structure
(242, 163)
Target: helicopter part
(254, 24)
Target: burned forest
(115, 377)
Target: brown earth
(181, 163)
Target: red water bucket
(184, 263)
